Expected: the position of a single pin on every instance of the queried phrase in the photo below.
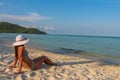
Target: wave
(75, 51)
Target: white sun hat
(20, 40)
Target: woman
(22, 55)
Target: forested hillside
(6, 27)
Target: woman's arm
(14, 64)
(20, 57)
(16, 55)
(16, 58)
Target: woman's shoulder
(21, 46)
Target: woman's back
(23, 54)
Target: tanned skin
(27, 62)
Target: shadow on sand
(73, 63)
(109, 62)
(66, 63)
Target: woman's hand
(12, 66)
(17, 72)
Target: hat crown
(20, 38)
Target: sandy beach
(69, 68)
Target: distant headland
(6, 27)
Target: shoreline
(86, 55)
(91, 56)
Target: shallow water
(105, 46)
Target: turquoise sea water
(105, 46)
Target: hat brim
(18, 43)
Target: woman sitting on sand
(22, 55)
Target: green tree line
(6, 27)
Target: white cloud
(2, 3)
(46, 28)
(29, 18)
(27, 26)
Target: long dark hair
(16, 52)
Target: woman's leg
(40, 60)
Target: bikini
(25, 55)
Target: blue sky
(71, 17)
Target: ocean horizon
(93, 45)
